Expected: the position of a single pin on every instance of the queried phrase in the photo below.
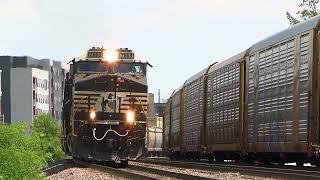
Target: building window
(0, 85)
(45, 84)
(34, 80)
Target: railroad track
(272, 172)
(136, 171)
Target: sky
(178, 37)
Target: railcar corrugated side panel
(166, 125)
(193, 114)
(279, 109)
(223, 119)
(223, 105)
(263, 102)
(316, 88)
(155, 138)
(175, 121)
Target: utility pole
(159, 96)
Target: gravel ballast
(66, 170)
(82, 174)
(201, 173)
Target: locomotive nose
(111, 143)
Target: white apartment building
(0, 95)
(30, 87)
(29, 93)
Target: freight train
(259, 105)
(154, 137)
(105, 106)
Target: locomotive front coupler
(204, 149)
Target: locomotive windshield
(89, 66)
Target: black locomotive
(105, 104)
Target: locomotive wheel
(281, 163)
(211, 159)
(300, 163)
(219, 159)
(124, 164)
(69, 143)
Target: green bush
(24, 151)
(49, 132)
(21, 155)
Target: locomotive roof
(234, 58)
(290, 32)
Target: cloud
(16, 8)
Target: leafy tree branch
(307, 9)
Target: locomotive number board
(120, 55)
(95, 54)
(126, 55)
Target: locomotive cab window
(89, 66)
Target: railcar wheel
(264, 161)
(124, 163)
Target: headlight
(92, 115)
(130, 116)
(110, 55)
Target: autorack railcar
(154, 141)
(261, 104)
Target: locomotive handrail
(105, 134)
(139, 100)
(77, 111)
(81, 102)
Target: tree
(47, 129)
(24, 154)
(308, 9)
(21, 156)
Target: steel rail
(132, 172)
(286, 173)
(177, 175)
